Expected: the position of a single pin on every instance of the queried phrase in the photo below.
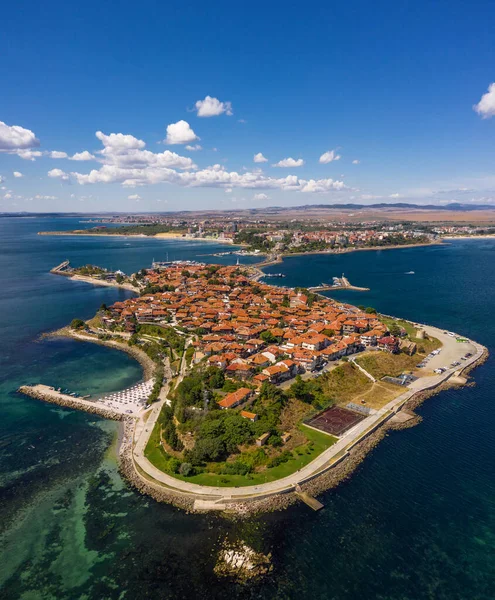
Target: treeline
(219, 434)
(145, 229)
(89, 270)
(254, 238)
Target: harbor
(339, 283)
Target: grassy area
(380, 364)
(409, 327)
(423, 344)
(189, 355)
(95, 322)
(380, 394)
(154, 451)
(344, 383)
(316, 442)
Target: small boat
(409, 273)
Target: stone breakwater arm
(48, 394)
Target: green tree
(186, 469)
(77, 324)
(268, 337)
(237, 431)
(394, 330)
(299, 388)
(207, 450)
(215, 377)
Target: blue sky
(388, 86)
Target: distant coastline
(175, 236)
(367, 248)
(170, 236)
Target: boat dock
(339, 283)
(62, 269)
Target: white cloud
(259, 158)
(18, 174)
(289, 162)
(134, 197)
(486, 106)
(85, 155)
(14, 137)
(194, 148)
(356, 161)
(58, 174)
(261, 196)
(212, 107)
(241, 121)
(328, 157)
(42, 197)
(29, 154)
(180, 133)
(126, 152)
(216, 176)
(2, 179)
(120, 142)
(57, 154)
(124, 161)
(7, 196)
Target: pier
(62, 269)
(312, 502)
(126, 403)
(339, 283)
(49, 394)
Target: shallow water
(417, 520)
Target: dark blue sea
(417, 519)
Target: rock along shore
(47, 394)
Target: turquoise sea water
(417, 520)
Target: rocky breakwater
(141, 482)
(48, 394)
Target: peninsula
(256, 395)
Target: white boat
(409, 273)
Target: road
(143, 429)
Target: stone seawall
(129, 470)
(53, 397)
